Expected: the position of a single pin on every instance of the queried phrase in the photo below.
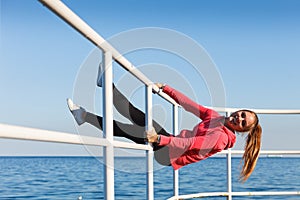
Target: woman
(213, 134)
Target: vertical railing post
(108, 151)
(150, 162)
(229, 176)
(175, 132)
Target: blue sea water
(71, 177)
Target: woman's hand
(160, 85)
(152, 136)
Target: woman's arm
(188, 104)
(216, 140)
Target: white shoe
(100, 75)
(78, 112)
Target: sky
(254, 46)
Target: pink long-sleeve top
(207, 138)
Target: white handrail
(25, 133)
(108, 130)
(224, 194)
(34, 134)
(265, 152)
(259, 111)
(175, 132)
(61, 10)
(77, 23)
(149, 154)
(229, 170)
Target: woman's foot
(78, 112)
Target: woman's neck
(226, 122)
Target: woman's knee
(162, 156)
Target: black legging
(134, 131)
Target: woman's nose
(240, 118)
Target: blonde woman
(213, 134)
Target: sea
(75, 178)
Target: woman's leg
(134, 133)
(129, 131)
(136, 116)
(125, 108)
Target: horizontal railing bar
(198, 195)
(84, 29)
(25, 133)
(127, 145)
(259, 111)
(34, 134)
(219, 194)
(286, 193)
(272, 152)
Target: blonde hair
(252, 148)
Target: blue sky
(254, 44)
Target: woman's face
(241, 120)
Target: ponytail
(252, 148)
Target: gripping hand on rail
(152, 136)
(160, 87)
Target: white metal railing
(110, 54)
(33, 134)
(108, 151)
(61, 10)
(229, 194)
(224, 194)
